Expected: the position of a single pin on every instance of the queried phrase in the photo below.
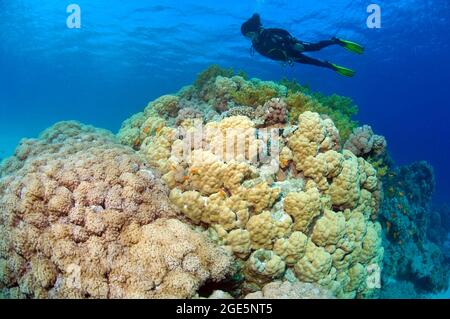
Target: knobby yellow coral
(319, 231)
(306, 215)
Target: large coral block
(315, 265)
(289, 204)
(83, 216)
(303, 207)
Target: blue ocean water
(127, 53)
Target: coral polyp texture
(260, 169)
(288, 290)
(83, 216)
(363, 142)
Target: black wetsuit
(280, 45)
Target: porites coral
(310, 211)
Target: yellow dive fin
(351, 46)
(344, 71)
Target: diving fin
(343, 71)
(351, 46)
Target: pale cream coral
(291, 249)
(356, 228)
(157, 149)
(302, 148)
(169, 260)
(166, 105)
(345, 188)
(262, 267)
(369, 179)
(357, 278)
(303, 207)
(329, 230)
(311, 126)
(316, 169)
(103, 210)
(233, 138)
(191, 203)
(313, 215)
(206, 172)
(314, 136)
(239, 241)
(372, 250)
(259, 195)
(288, 290)
(332, 139)
(218, 208)
(266, 227)
(209, 174)
(323, 167)
(82, 214)
(315, 265)
(219, 294)
(285, 157)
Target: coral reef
(393, 289)
(281, 290)
(308, 215)
(438, 230)
(407, 216)
(364, 143)
(219, 93)
(338, 108)
(287, 290)
(272, 113)
(82, 216)
(230, 188)
(188, 114)
(276, 112)
(211, 72)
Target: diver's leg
(310, 47)
(301, 58)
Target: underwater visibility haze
(96, 105)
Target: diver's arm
(280, 35)
(317, 46)
(288, 39)
(280, 32)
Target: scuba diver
(280, 45)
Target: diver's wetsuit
(280, 45)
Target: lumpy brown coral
(82, 216)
